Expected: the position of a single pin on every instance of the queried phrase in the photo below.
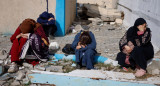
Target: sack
(68, 49)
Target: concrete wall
(13, 12)
(147, 9)
(70, 13)
(107, 3)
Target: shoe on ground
(13, 68)
(78, 66)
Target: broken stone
(3, 52)
(54, 69)
(33, 85)
(70, 29)
(117, 70)
(28, 71)
(97, 29)
(53, 47)
(103, 68)
(7, 60)
(25, 80)
(2, 68)
(102, 4)
(155, 72)
(97, 11)
(106, 51)
(39, 67)
(73, 65)
(154, 65)
(2, 82)
(55, 60)
(78, 27)
(74, 31)
(96, 21)
(85, 27)
(112, 23)
(21, 75)
(27, 65)
(15, 83)
(119, 75)
(7, 76)
(119, 21)
(108, 18)
(66, 63)
(2, 57)
(6, 84)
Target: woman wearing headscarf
(84, 45)
(30, 38)
(136, 47)
(47, 21)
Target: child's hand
(128, 49)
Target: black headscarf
(139, 21)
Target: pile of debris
(104, 9)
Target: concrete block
(96, 11)
(21, 75)
(78, 27)
(25, 80)
(102, 4)
(112, 23)
(154, 65)
(108, 18)
(15, 83)
(27, 65)
(155, 72)
(54, 46)
(119, 21)
(2, 57)
(39, 67)
(55, 69)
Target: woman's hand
(130, 44)
(78, 47)
(26, 35)
(50, 19)
(18, 36)
(83, 46)
(23, 35)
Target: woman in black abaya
(136, 47)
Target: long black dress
(142, 51)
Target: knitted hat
(27, 26)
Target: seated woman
(84, 45)
(28, 37)
(136, 47)
(47, 21)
